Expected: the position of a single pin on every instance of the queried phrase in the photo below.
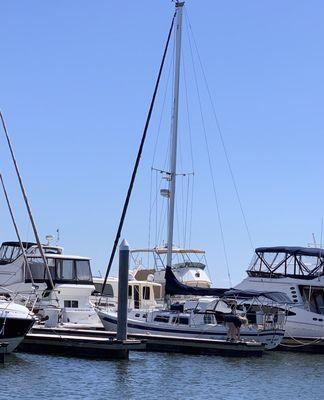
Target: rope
(191, 155)
(16, 228)
(152, 164)
(186, 212)
(221, 136)
(31, 218)
(5, 318)
(139, 154)
(210, 166)
(301, 344)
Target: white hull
(270, 338)
(304, 324)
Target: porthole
(292, 288)
(293, 291)
(294, 296)
(295, 301)
(314, 319)
(320, 319)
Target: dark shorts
(234, 319)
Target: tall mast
(174, 130)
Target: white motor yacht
(141, 294)
(188, 265)
(297, 272)
(68, 301)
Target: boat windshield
(9, 252)
(62, 270)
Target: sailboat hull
(271, 338)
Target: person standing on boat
(233, 323)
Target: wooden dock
(60, 342)
(95, 343)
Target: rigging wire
(139, 154)
(25, 198)
(186, 212)
(16, 229)
(156, 208)
(191, 209)
(210, 165)
(149, 221)
(162, 111)
(221, 135)
(191, 153)
(151, 205)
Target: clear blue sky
(76, 78)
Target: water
(163, 376)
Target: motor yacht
(188, 265)
(141, 294)
(68, 301)
(298, 272)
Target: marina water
(164, 376)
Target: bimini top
(287, 261)
(301, 251)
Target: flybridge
(63, 268)
(285, 261)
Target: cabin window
(208, 319)
(108, 292)
(184, 320)
(71, 304)
(38, 269)
(146, 293)
(161, 318)
(65, 270)
(314, 299)
(83, 271)
(130, 291)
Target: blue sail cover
(174, 287)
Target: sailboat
(195, 317)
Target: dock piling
(123, 290)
